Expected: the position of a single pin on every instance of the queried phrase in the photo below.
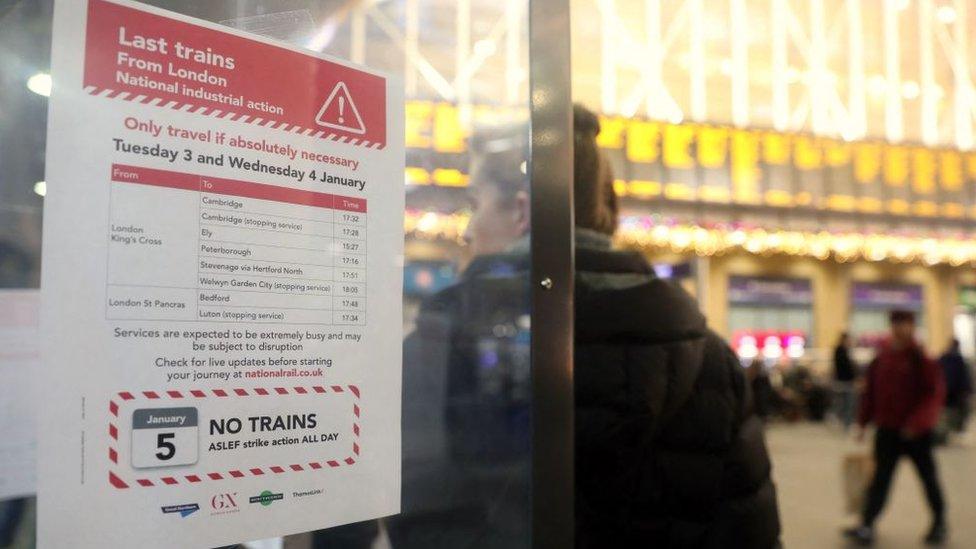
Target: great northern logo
(185, 509)
(266, 498)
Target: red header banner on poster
(140, 56)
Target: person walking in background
(903, 397)
(959, 386)
(762, 389)
(668, 450)
(845, 374)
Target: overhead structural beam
(926, 70)
(697, 67)
(358, 36)
(964, 88)
(418, 69)
(514, 65)
(819, 84)
(739, 40)
(812, 85)
(779, 77)
(856, 126)
(462, 51)
(653, 74)
(647, 56)
(608, 62)
(894, 129)
(412, 39)
(434, 78)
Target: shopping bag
(858, 468)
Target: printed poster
(221, 288)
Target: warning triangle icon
(340, 113)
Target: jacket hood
(619, 299)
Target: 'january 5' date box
(165, 437)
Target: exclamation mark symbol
(342, 108)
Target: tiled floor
(807, 469)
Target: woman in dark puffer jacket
(668, 450)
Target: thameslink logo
(307, 493)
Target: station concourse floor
(807, 461)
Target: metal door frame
(551, 171)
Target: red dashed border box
(125, 396)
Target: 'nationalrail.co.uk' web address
(283, 373)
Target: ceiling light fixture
(946, 14)
(910, 89)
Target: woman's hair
(595, 201)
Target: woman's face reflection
(497, 221)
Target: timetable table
(197, 248)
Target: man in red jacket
(903, 397)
